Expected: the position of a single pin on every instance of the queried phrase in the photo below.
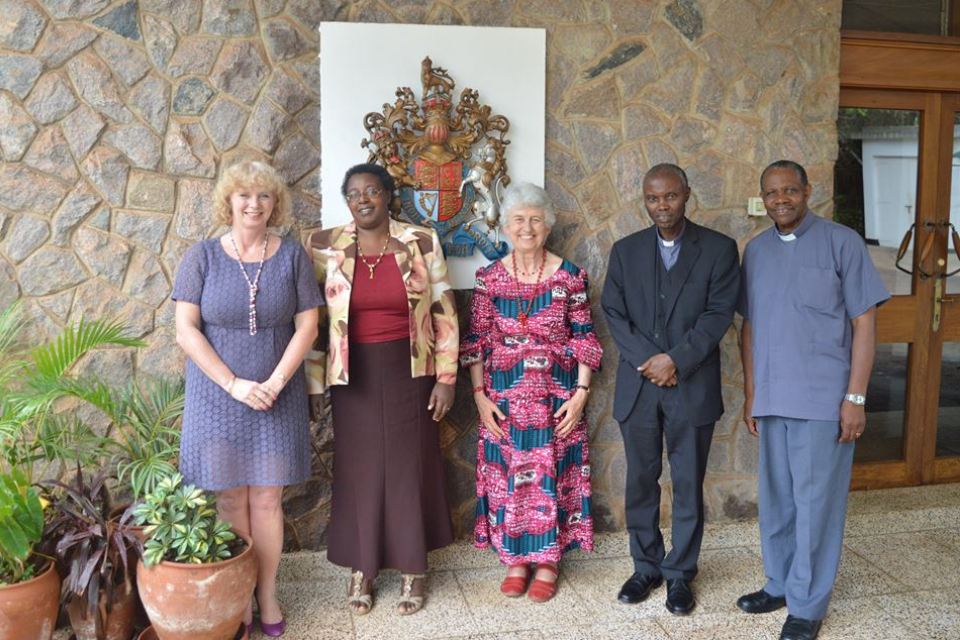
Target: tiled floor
(900, 579)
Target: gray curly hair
(527, 194)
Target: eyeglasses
(370, 192)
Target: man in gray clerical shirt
(669, 298)
(808, 301)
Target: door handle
(956, 248)
(937, 303)
(924, 251)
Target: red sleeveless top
(378, 307)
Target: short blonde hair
(251, 174)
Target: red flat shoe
(543, 590)
(515, 586)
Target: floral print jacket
(434, 333)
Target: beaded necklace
(252, 285)
(372, 266)
(524, 312)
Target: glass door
(899, 154)
(875, 193)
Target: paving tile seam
(951, 550)
(908, 631)
(532, 630)
(938, 592)
(662, 628)
(463, 594)
(898, 531)
(876, 566)
(911, 631)
(724, 546)
(865, 596)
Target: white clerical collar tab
(667, 243)
(787, 237)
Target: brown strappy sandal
(411, 602)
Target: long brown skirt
(389, 499)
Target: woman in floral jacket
(391, 365)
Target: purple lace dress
(225, 443)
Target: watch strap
(856, 398)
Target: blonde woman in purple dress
(246, 315)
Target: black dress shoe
(680, 600)
(761, 602)
(638, 587)
(800, 629)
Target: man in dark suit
(669, 298)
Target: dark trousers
(687, 449)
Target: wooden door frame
(944, 469)
(899, 61)
(901, 71)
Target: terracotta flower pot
(150, 634)
(140, 620)
(28, 610)
(119, 621)
(198, 601)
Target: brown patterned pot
(119, 620)
(198, 601)
(28, 610)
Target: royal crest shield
(448, 161)
(438, 197)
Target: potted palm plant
(143, 435)
(34, 434)
(36, 440)
(95, 559)
(29, 584)
(145, 439)
(196, 576)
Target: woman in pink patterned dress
(531, 351)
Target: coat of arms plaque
(448, 161)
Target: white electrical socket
(755, 207)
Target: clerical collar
(670, 243)
(809, 217)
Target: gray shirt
(670, 249)
(800, 296)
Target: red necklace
(525, 310)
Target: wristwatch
(856, 398)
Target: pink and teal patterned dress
(533, 489)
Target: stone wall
(116, 116)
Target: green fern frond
(54, 359)
(156, 409)
(11, 323)
(41, 392)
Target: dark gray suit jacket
(698, 313)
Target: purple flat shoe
(274, 630)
